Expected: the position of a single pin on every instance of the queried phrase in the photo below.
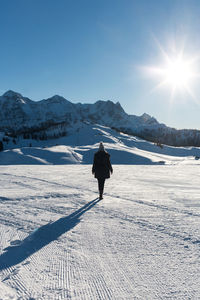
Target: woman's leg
(101, 182)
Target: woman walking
(101, 168)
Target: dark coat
(101, 165)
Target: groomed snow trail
(58, 241)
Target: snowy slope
(80, 146)
(59, 242)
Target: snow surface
(79, 147)
(58, 241)
(142, 241)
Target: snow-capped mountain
(57, 116)
(18, 112)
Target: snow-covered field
(79, 147)
(142, 241)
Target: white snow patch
(7, 293)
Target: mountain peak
(56, 99)
(109, 105)
(11, 94)
(148, 119)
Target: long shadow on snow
(42, 237)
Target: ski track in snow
(58, 241)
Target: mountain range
(56, 116)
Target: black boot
(100, 195)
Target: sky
(119, 50)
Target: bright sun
(177, 73)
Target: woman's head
(101, 147)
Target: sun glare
(177, 73)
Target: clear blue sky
(86, 50)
